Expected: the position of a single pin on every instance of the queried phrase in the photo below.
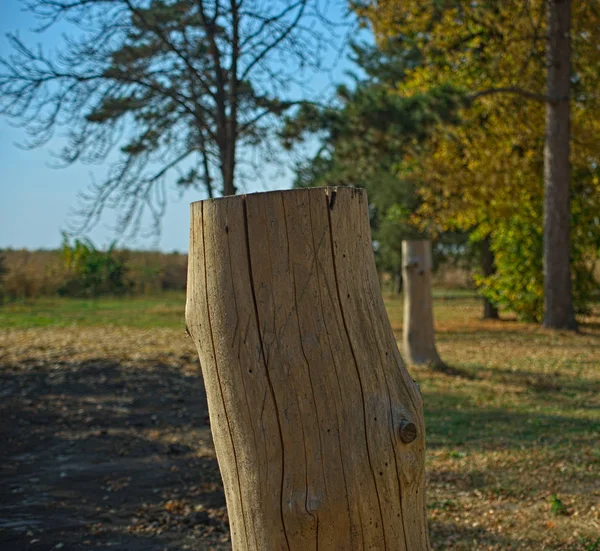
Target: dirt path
(106, 454)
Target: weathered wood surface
(310, 403)
(418, 337)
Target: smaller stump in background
(418, 339)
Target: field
(106, 441)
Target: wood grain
(306, 388)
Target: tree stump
(418, 341)
(317, 425)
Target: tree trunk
(418, 335)
(228, 172)
(558, 306)
(398, 279)
(488, 268)
(317, 425)
(206, 168)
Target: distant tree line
(79, 269)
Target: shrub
(91, 272)
(3, 271)
(518, 283)
(30, 274)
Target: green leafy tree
(529, 71)
(364, 137)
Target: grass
(513, 458)
(164, 311)
(146, 312)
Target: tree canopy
(487, 174)
(364, 137)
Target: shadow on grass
(453, 371)
(450, 536)
(540, 382)
(589, 329)
(552, 383)
(103, 454)
(451, 421)
(120, 456)
(500, 333)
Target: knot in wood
(407, 431)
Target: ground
(106, 442)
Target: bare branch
(511, 90)
(180, 91)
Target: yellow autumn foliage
(482, 173)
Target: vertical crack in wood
(291, 267)
(242, 374)
(268, 375)
(373, 323)
(335, 272)
(392, 435)
(332, 199)
(316, 249)
(219, 376)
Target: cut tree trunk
(488, 268)
(317, 425)
(558, 306)
(418, 334)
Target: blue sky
(35, 199)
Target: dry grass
(513, 434)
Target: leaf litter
(108, 441)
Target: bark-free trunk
(418, 335)
(488, 268)
(558, 306)
(318, 427)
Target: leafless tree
(155, 87)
